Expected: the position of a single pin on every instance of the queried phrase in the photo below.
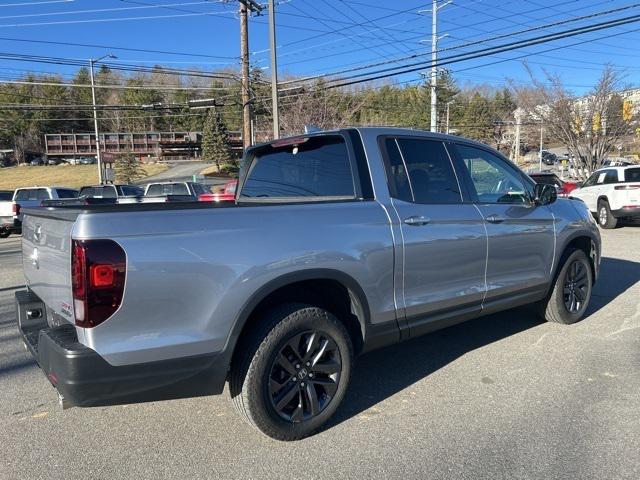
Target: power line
(467, 44)
(112, 47)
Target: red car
(227, 194)
(564, 187)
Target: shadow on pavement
(383, 373)
(616, 277)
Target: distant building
(145, 145)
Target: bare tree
(590, 126)
(324, 108)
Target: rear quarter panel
(190, 272)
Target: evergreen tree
(128, 168)
(215, 140)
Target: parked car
(227, 194)
(563, 187)
(10, 210)
(338, 243)
(6, 222)
(180, 189)
(549, 158)
(37, 162)
(86, 160)
(612, 194)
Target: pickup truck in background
(181, 189)
(338, 243)
(110, 191)
(10, 210)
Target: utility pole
(92, 62)
(434, 58)
(245, 7)
(274, 70)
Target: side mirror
(544, 194)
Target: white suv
(612, 193)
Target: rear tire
(571, 292)
(292, 372)
(605, 218)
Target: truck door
(521, 236)
(444, 239)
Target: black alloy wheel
(304, 375)
(575, 288)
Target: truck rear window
(167, 189)
(632, 175)
(316, 167)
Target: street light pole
(92, 62)
(95, 121)
(540, 153)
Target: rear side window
(420, 171)
(632, 175)
(611, 176)
(86, 192)
(316, 167)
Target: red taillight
(16, 208)
(627, 187)
(98, 270)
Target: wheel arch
(341, 295)
(585, 241)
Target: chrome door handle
(417, 221)
(494, 219)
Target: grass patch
(58, 175)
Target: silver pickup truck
(338, 243)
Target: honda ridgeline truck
(338, 243)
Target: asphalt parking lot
(501, 397)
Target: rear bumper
(626, 212)
(83, 378)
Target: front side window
(314, 167)
(493, 180)
(420, 171)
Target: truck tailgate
(46, 259)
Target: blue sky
(320, 36)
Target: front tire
(605, 218)
(4, 233)
(293, 372)
(569, 299)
